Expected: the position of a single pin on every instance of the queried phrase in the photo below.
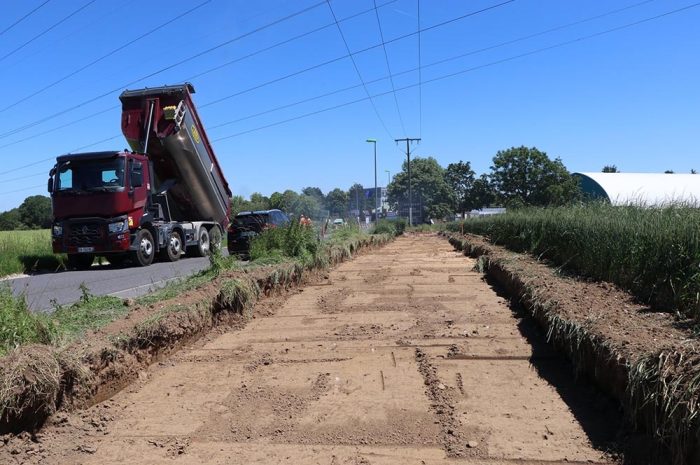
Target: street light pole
(388, 177)
(376, 198)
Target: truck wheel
(215, 239)
(143, 255)
(173, 248)
(202, 248)
(81, 261)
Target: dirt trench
(404, 355)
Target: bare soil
(404, 355)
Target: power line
(48, 131)
(23, 18)
(366, 49)
(299, 102)
(94, 62)
(202, 73)
(357, 70)
(77, 149)
(19, 178)
(388, 66)
(23, 189)
(155, 73)
(435, 63)
(45, 31)
(467, 70)
(420, 79)
(284, 42)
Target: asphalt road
(63, 287)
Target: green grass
(19, 326)
(24, 251)
(292, 241)
(394, 227)
(652, 252)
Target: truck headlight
(57, 230)
(118, 227)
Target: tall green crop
(652, 252)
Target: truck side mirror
(50, 185)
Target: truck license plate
(85, 249)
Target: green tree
(460, 178)
(313, 192)
(481, 194)
(610, 169)
(277, 201)
(259, 201)
(527, 176)
(427, 183)
(356, 198)
(336, 202)
(9, 220)
(35, 212)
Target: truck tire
(173, 248)
(80, 261)
(143, 255)
(202, 247)
(215, 239)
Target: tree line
(518, 177)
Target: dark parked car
(246, 225)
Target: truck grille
(84, 234)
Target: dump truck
(165, 196)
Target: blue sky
(628, 97)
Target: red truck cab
(98, 199)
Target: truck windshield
(89, 175)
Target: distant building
(647, 189)
(487, 211)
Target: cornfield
(652, 252)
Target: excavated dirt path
(402, 356)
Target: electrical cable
(210, 70)
(467, 70)
(94, 62)
(357, 70)
(334, 60)
(79, 105)
(184, 60)
(23, 18)
(284, 42)
(388, 66)
(45, 31)
(420, 79)
(48, 131)
(435, 63)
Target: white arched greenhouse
(647, 189)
